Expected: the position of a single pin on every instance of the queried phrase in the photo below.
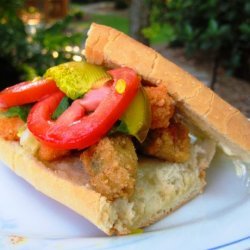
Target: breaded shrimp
(40, 150)
(162, 106)
(9, 127)
(112, 166)
(46, 153)
(171, 144)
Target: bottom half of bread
(160, 187)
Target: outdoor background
(210, 39)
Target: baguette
(204, 108)
(161, 187)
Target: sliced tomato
(27, 92)
(88, 119)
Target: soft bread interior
(222, 122)
(161, 187)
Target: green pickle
(77, 78)
(138, 116)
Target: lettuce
(63, 105)
(18, 111)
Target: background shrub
(221, 29)
(24, 55)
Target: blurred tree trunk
(139, 19)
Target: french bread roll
(215, 117)
(160, 187)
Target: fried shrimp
(9, 127)
(112, 166)
(162, 106)
(46, 153)
(171, 144)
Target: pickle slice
(138, 116)
(76, 78)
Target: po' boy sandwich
(123, 138)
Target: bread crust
(78, 196)
(217, 118)
(199, 104)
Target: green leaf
(188, 30)
(63, 105)
(122, 127)
(18, 111)
(213, 27)
(119, 127)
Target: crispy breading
(46, 153)
(171, 144)
(9, 127)
(162, 106)
(112, 166)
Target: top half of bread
(222, 122)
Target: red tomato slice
(27, 92)
(85, 105)
(75, 129)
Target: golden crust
(75, 194)
(105, 43)
(9, 127)
(162, 106)
(171, 144)
(79, 198)
(112, 166)
(222, 122)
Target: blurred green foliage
(52, 39)
(219, 28)
(13, 46)
(115, 21)
(25, 55)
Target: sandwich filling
(105, 117)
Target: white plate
(219, 218)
